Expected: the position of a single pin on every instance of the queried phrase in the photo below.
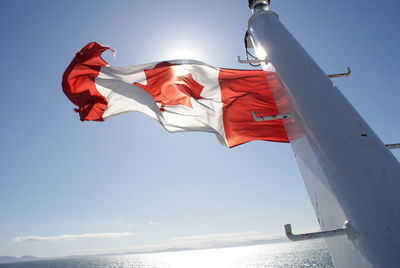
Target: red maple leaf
(169, 88)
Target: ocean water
(288, 254)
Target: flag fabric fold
(182, 95)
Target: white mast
(349, 173)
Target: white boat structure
(352, 178)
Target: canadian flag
(182, 95)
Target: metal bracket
(251, 61)
(322, 234)
(340, 74)
(253, 2)
(273, 117)
(393, 146)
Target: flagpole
(349, 173)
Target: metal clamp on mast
(393, 146)
(256, 60)
(322, 234)
(267, 118)
(341, 74)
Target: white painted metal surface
(349, 173)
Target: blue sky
(127, 183)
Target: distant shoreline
(11, 259)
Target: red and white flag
(182, 95)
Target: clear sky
(68, 187)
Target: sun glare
(185, 53)
(261, 53)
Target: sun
(185, 53)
